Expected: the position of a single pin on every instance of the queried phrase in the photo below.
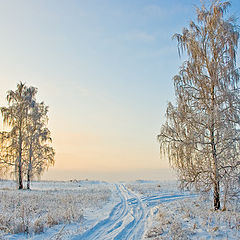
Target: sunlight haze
(105, 70)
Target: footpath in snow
(120, 211)
(128, 218)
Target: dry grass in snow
(34, 211)
(153, 187)
(195, 219)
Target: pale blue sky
(104, 67)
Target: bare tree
(201, 135)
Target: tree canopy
(25, 149)
(201, 135)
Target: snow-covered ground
(189, 217)
(91, 210)
(51, 208)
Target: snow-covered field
(111, 211)
(50, 208)
(189, 217)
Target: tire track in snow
(127, 219)
(104, 228)
(135, 228)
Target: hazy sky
(105, 69)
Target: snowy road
(128, 217)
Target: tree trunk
(216, 196)
(216, 175)
(28, 180)
(29, 168)
(20, 181)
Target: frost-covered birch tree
(201, 135)
(15, 116)
(25, 148)
(39, 154)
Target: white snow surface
(128, 211)
(128, 217)
(123, 215)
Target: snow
(99, 210)
(193, 219)
(49, 207)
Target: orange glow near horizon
(86, 155)
(105, 71)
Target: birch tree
(39, 154)
(15, 116)
(25, 148)
(201, 135)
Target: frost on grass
(148, 188)
(34, 211)
(195, 219)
